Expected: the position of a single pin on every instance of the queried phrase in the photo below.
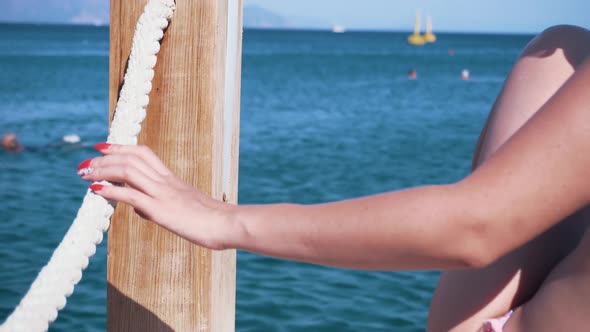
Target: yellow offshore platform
(429, 37)
(416, 38)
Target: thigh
(465, 298)
(561, 304)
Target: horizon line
(311, 29)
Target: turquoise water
(324, 117)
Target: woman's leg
(561, 304)
(463, 299)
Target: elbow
(479, 248)
(478, 260)
(475, 235)
(477, 240)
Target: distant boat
(429, 37)
(336, 28)
(416, 38)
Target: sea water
(324, 117)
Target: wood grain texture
(156, 280)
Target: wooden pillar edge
(156, 280)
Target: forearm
(420, 228)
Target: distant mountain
(94, 12)
(258, 17)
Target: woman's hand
(157, 194)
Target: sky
(504, 16)
(447, 15)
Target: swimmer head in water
(10, 143)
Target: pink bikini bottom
(496, 324)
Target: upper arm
(538, 177)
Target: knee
(564, 34)
(572, 41)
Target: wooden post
(156, 280)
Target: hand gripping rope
(57, 279)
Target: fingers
(141, 202)
(141, 151)
(124, 173)
(129, 160)
(137, 166)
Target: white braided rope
(56, 281)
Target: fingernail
(102, 146)
(96, 187)
(84, 168)
(85, 164)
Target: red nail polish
(84, 164)
(96, 187)
(102, 146)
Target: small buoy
(71, 139)
(412, 75)
(465, 74)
